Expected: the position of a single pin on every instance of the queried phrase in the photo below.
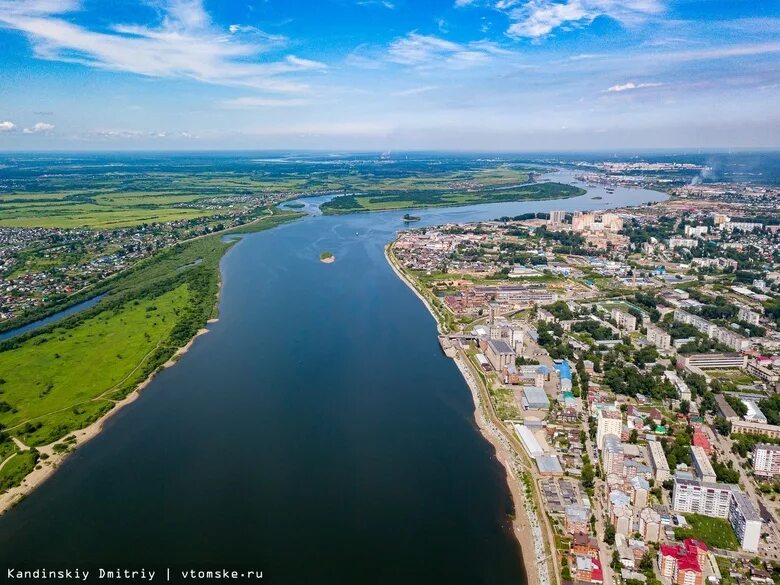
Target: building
(527, 438)
(610, 422)
(702, 466)
(499, 354)
(692, 496)
(624, 320)
(683, 243)
(753, 428)
(535, 398)
(659, 338)
(754, 413)
(766, 460)
(731, 339)
(613, 454)
(548, 465)
(577, 518)
(682, 563)
(682, 388)
(695, 231)
(557, 217)
(713, 361)
(650, 525)
(762, 372)
(748, 316)
(657, 459)
(701, 439)
(700, 323)
(746, 522)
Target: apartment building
(701, 465)
(625, 320)
(659, 338)
(766, 460)
(613, 454)
(692, 496)
(682, 563)
(610, 422)
(746, 522)
(657, 459)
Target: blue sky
(518, 75)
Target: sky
(470, 75)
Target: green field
(424, 195)
(715, 532)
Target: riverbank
(525, 524)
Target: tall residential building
(657, 460)
(624, 320)
(610, 422)
(701, 465)
(766, 460)
(613, 454)
(746, 522)
(692, 496)
(659, 338)
(557, 217)
(682, 388)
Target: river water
(316, 433)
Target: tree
(685, 406)
(616, 564)
(609, 534)
(633, 437)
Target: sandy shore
(525, 524)
(46, 468)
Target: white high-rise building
(610, 422)
(766, 460)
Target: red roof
(686, 554)
(701, 440)
(596, 574)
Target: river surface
(316, 433)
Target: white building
(746, 522)
(748, 316)
(701, 465)
(682, 388)
(692, 496)
(657, 459)
(766, 460)
(613, 454)
(610, 422)
(659, 338)
(624, 319)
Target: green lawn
(60, 372)
(16, 469)
(716, 532)
(420, 195)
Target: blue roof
(543, 369)
(564, 369)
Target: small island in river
(327, 257)
(408, 217)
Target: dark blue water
(317, 432)
(51, 318)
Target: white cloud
(246, 103)
(39, 128)
(185, 44)
(414, 91)
(631, 85)
(539, 18)
(7, 126)
(426, 50)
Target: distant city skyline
(471, 75)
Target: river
(316, 433)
